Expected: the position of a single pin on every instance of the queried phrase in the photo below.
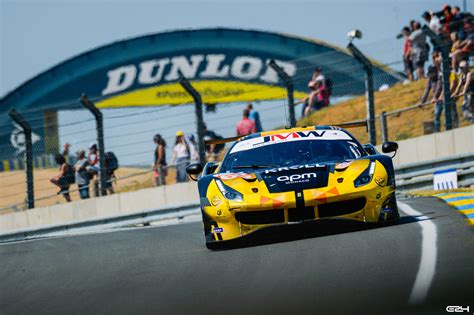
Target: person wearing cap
(466, 87)
(181, 156)
(160, 170)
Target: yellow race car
(291, 176)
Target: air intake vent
(300, 214)
(261, 217)
(334, 209)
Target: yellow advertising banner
(212, 92)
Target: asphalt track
(323, 268)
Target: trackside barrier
(112, 222)
(419, 176)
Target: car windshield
(291, 153)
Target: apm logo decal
(296, 178)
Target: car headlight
(229, 193)
(366, 176)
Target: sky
(38, 34)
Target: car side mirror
(194, 170)
(389, 146)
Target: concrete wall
(121, 203)
(438, 145)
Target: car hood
(293, 178)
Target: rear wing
(223, 140)
(354, 124)
(351, 124)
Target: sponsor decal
(216, 200)
(228, 176)
(296, 178)
(343, 166)
(380, 181)
(457, 309)
(217, 230)
(294, 167)
(305, 135)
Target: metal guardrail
(419, 175)
(144, 217)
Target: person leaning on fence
(181, 155)
(65, 177)
(160, 171)
(433, 84)
(466, 86)
(82, 176)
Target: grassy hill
(403, 126)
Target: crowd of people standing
(456, 29)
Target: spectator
(212, 150)
(457, 23)
(65, 153)
(82, 176)
(432, 21)
(407, 60)
(466, 87)
(181, 155)
(160, 171)
(434, 84)
(246, 126)
(318, 98)
(65, 177)
(318, 75)
(93, 167)
(419, 51)
(193, 148)
(255, 116)
(453, 82)
(456, 52)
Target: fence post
(100, 141)
(30, 197)
(289, 88)
(369, 90)
(199, 117)
(383, 126)
(445, 70)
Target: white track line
(426, 271)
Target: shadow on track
(305, 230)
